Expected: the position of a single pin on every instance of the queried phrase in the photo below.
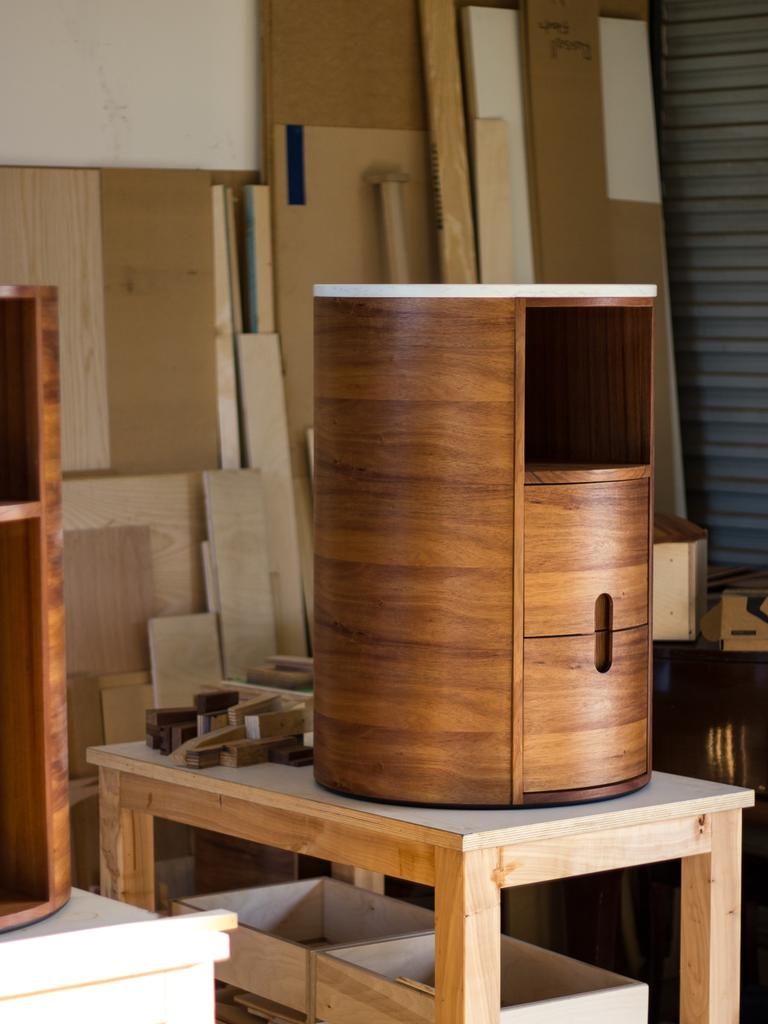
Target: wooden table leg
(710, 927)
(127, 847)
(371, 880)
(467, 937)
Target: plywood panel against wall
(565, 136)
(353, 65)
(171, 505)
(171, 84)
(108, 597)
(50, 226)
(158, 279)
(335, 235)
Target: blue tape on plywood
(294, 148)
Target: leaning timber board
(495, 89)
(50, 225)
(238, 536)
(448, 142)
(302, 491)
(185, 657)
(493, 201)
(108, 598)
(158, 281)
(266, 440)
(172, 506)
(565, 131)
(259, 263)
(336, 235)
(224, 317)
(637, 225)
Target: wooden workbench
(467, 855)
(100, 960)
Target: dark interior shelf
(587, 385)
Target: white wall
(129, 83)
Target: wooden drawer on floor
(280, 925)
(360, 983)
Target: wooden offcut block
(679, 578)
(158, 291)
(268, 675)
(209, 703)
(267, 448)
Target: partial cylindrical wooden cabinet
(483, 497)
(34, 806)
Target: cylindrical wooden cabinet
(34, 791)
(483, 500)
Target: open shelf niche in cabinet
(34, 824)
(483, 489)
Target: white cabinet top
(485, 291)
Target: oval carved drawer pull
(603, 632)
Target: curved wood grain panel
(414, 485)
(587, 473)
(34, 790)
(581, 541)
(444, 350)
(583, 728)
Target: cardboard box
(679, 578)
(739, 622)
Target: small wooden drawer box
(280, 925)
(583, 540)
(360, 983)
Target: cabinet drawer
(581, 727)
(581, 541)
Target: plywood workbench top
(666, 797)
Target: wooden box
(679, 578)
(280, 925)
(482, 542)
(739, 621)
(34, 804)
(360, 983)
